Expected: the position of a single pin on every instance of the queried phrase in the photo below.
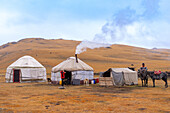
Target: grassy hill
(51, 52)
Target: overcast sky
(131, 22)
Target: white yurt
(74, 68)
(122, 76)
(25, 69)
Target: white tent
(26, 69)
(73, 69)
(122, 76)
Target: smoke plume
(87, 44)
(127, 27)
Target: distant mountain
(53, 51)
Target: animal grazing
(157, 75)
(49, 80)
(86, 82)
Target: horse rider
(143, 67)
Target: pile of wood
(106, 81)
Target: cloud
(143, 23)
(25, 19)
(145, 29)
(12, 27)
(128, 26)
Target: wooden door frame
(19, 75)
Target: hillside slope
(51, 52)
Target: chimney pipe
(76, 58)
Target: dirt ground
(44, 97)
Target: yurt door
(68, 77)
(16, 75)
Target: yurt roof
(71, 65)
(26, 62)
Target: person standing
(132, 67)
(62, 76)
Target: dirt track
(43, 97)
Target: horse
(157, 76)
(144, 77)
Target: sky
(142, 23)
